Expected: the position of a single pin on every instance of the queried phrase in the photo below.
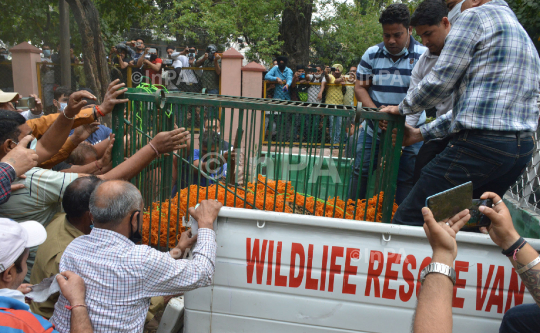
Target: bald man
(121, 276)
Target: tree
(528, 14)
(95, 57)
(295, 30)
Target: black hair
(209, 138)
(62, 90)
(76, 200)
(170, 47)
(396, 13)
(9, 125)
(19, 261)
(78, 155)
(429, 12)
(136, 39)
(282, 58)
(300, 67)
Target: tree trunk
(295, 31)
(96, 68)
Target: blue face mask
(402, 52)
(46, 53)
(62, 106)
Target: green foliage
(218, 22)
(344, 34)
(528, 14)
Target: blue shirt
(390, 79)
(286, 75)
(102, 133)
(14, 318)
(221, 172)
(491, 66)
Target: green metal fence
(303, 177)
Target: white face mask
(62, 106)
(455, 12)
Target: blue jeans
(492, 163)
(523, 318)
(335, 129)
(405, 174)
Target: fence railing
(310, 92)
(527, 188)
(236, 168)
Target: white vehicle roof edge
(335, 223)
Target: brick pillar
(25, 57)
(231, 85)
(252, 86)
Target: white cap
(8, 96)
(15, 237)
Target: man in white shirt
(431, 23)
(185, 79)
(121, 276)
(8, 100)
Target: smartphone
(477, 218)
(332, 69)
(26, 103)
(152, 50)
(446, 204)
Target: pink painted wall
(231, 85)
(25, 57)
(252, 86)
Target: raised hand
(111, 97)
(166, 142)
(76, 102)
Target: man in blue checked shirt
(283, 75)
(491, 66)
(383, 78)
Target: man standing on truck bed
(491, 66)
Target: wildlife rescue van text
(279, 272)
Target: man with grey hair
(121, 276)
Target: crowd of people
(67, 213)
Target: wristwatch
(436, 267)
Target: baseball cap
(8, 96)
(15, 237)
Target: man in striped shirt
(383, 78)
(491, 66)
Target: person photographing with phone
(210, 78)
(434, 308)
(153, 65)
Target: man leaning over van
(121, 276)
(495, 79)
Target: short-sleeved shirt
(210, 79)
(102, 133)
(390, 79)
(41, 198)
(334, 94)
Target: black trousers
(427, 152)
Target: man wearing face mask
(283, 75)
(383, 77)
(135, 272)
(61, 97)
(494, 78)
(153, 66)
(431, 23)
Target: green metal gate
(288, 173)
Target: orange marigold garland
(280, 195)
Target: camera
(26, 103)
(303, 76)
(333, 69)
(138, 43)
